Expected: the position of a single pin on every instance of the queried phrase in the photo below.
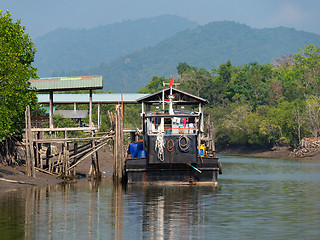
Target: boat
(173, 148)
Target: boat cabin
(173, 117)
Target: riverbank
(15, 177)
(275, 152)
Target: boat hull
(204, 170)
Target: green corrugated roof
(68, 83)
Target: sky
(42, 16)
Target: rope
(170, 145)
(184, 147)
(159, 146)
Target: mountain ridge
(73, 49)
(206, 46)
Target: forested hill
(206, 46)
(66, 49)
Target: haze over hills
(70, 50)
(206, 46)
(128, 54)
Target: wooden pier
(60, 156)
(46, 152)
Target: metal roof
(106, 98)
(72, 113)
(181, 97)
(67, 83)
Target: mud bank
(276, 152)
(15, 177)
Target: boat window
(171, 125)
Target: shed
(76, 115)
(67, 84)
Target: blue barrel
(142, 154)
(134, 149)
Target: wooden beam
(87, 155)
(59, 140)
(63, 129)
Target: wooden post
(210, 136)
(99, 115)
(28, 169)
(65, 155)
(213, 139)
(51, 110)
(31, 171)
(90, 109)
(118, 146)
(95, 173)
(38, 145)
(75, 146)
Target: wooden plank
(70, 139)
(63, 129)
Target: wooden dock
(60, 156)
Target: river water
(257, 198)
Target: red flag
(171, 82)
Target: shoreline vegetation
(13, 178)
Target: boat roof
(176, 112)
(181, 97)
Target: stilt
(118, 146)
(30, 164)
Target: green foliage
(61, 122)
(262, 105)
(252, 104)
(17, 54)
(156, 84)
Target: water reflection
(255, 199)
(65, 211)
(171, 212)
(12, 221)
(117, 210)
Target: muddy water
(256, 199)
